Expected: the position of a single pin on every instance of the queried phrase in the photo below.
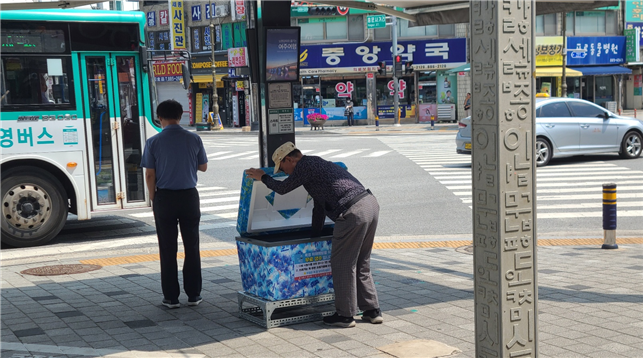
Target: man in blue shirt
(171, 160)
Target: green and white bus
(77, 106)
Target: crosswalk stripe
(218, 154)
(626, 213)
(236, 155)
(377, 154)
(228, 216)
(219, 200)
(598, 204)
(201, 188)
(326, 152)
(345, 155)
(203, 195)
(599, 197)
(204, 226)
(203, 209)
(467, 184)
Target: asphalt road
(422, 185)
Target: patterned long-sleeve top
(330, 185)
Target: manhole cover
(62, 269)
(465, 249)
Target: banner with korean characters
(598, 50)
(29, 135)
(549, 51)
(238, 10)
(177, 26)
(632, 46)
(237, 57)
(364, 57)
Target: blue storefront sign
(151, 18)
(335, 113)
(597, 50)
(364, 57)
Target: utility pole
(396, 86)
(563, 86)
(215, 96)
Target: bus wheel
(34, 207)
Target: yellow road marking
(114, 261)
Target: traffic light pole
(396, 86)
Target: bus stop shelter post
(267, 14)
(504, 177)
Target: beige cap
(281, 153)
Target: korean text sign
(597, 50)
(177, 25)
(428, 54)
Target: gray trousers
(350, 259)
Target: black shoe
(193, 301)
(339, 321)
(171, 304)
(373, 316)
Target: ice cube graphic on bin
(277, 258)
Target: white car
(567, 127)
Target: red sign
(341, 10)
(237, 57)
(391, 87)
(369, 75)
(164, 17)
(167, 69)
(344, 90)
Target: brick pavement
(590, 305)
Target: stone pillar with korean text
(504, 177)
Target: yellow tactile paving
(114, 261)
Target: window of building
(404, 31)
(584, 23)
(324, 28)
(546, 24)
(159, 40)
(383, 33)
(384, 96)
(356, 28)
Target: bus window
(129, 113)
(31, 82)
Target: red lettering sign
(344, 90)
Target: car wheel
(631, 145)
(543, 152)
(34, 207)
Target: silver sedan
(567, 127)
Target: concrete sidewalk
(590, 305)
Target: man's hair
(169, 109)
(295, 154)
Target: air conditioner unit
(221, 11)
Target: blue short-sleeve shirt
(175, 154)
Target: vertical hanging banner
(177, 25)
(226, 36)
(503, 164)
(632, 45)
(238, 10)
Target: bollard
(377, 123)
(432, 122)
(619, 111)
(609, 216)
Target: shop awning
(603, 70)
(465, 67)
(556, 71)
(206, 78)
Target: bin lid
(263, 211)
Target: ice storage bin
(277, 258)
